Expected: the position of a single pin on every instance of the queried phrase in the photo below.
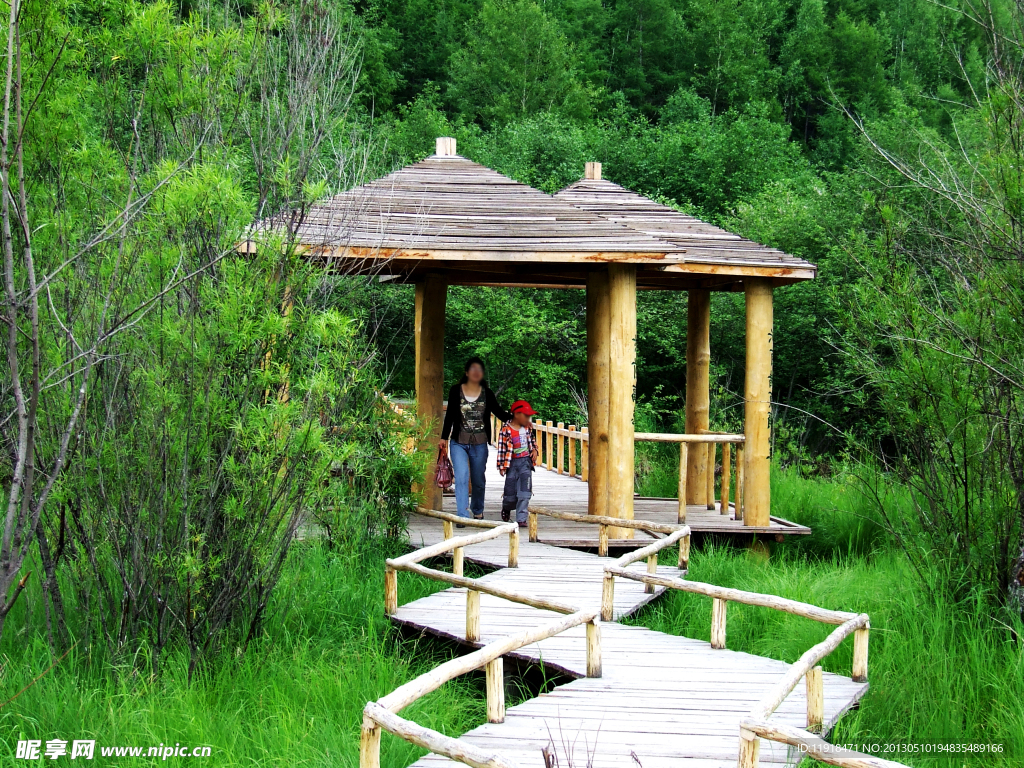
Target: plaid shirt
(505, 445)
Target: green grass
(938, 670)
(295, 699)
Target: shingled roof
(451, 215)
(698, 241)
(451, 204)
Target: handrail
(382, 713)
(605, 522)
(553, 457)
(650, 552)
(756, 724)
(809, 744)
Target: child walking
(517, 456)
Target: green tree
(516, 62)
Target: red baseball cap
(523, 407)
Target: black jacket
(453, 416)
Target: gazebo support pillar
(698, 390)
(757, 404)
(431, 297)
(621, 389)
(598, 352)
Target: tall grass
(294, 698)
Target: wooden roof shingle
(449, 214)
(698, 241)
(454, 205)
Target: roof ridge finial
(592, 171)
(445, 146)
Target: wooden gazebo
(449, 221)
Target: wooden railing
(559, 444)
(382, 714)
(807, 667)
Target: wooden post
(572, 451)
(602, 540)
(598, 351)
(390, 590)
(815, 700)
(750, 745)
(757, 404)
(860, 654)
(472, 616)
(458, 560)
(608, 597)
(495, 674)
(431, 295)
(532, 525)
(513, 548)
(621, 387)
(726, 476)
(560, 457)
(652, 570)
(592, 171)
(698, 387)
(369, 744)
(551, 453)
(711, 475)
(684, 552)
(681, 512)
(593, 649)
(585, 455)
(739, 482)
(718, 607)
(449, 529)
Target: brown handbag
(444, 474)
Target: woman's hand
(443, 444)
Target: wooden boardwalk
(662, 700)
(563, 493)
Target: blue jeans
(469, 462)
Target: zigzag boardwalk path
(661, 701)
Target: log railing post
(815, 700)
(860, 654)
(390, 591)
(718, 623)
(593, 649)
(369, 744)
(495, 673)
(448, 528)
(513, 548)
(458, 560)
(739, 482)
(560, 454)
(602, 541)
(532, 525)
(585, 454)
(608, 597)
(684, 552)
(750, 745)
(652, 570)
(472, 615)
(711, 475)
(684, 450)
(572, 451)
(726, 472)
(550, 453)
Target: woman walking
(466, 433)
